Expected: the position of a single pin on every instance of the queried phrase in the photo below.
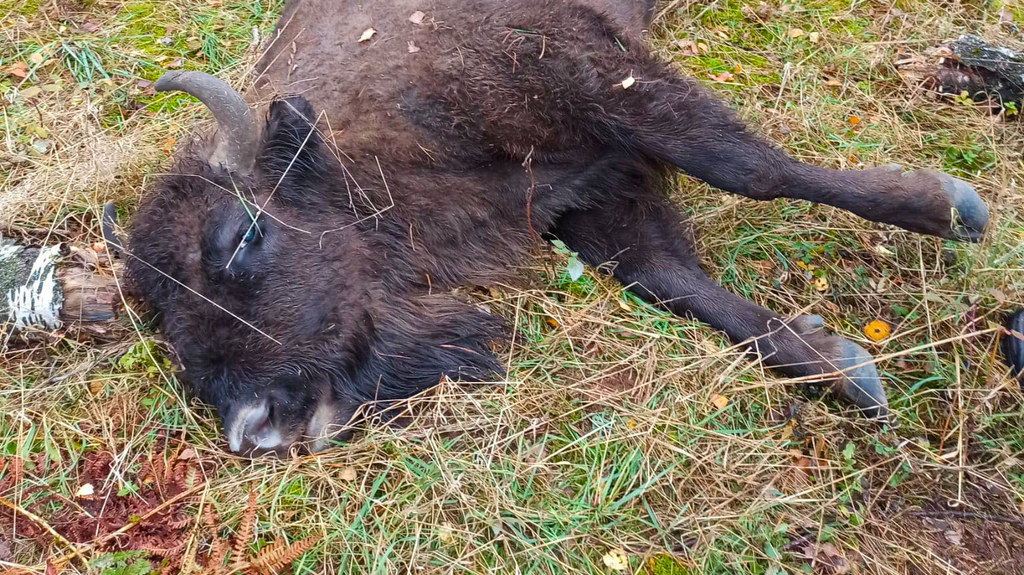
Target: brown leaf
(87, 27)
(348, 474)
(795, 33)
(722, 77)
(719, 401)
(18, 69)
(687, 47)
(417, 17)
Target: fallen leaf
(722, 77)
(795, 33)
(719, 401)
(999, 295)
(877, 330)
(628, 81)
(99, 247)
(417, 17)
(687, 47)
(814, 37)
(89, 27)
(86, 490)
(551, 321)
(348, 474)
(413, 48)
(853, 120)
(738, 69)
(703, 47)
(187, 453)
(616, 560)
(41, 146)
(367, 34)
(18, 69)
(820, 284)
(176, 63)
(36, 58)
(30, 92)
(168, 145)
(833, 82)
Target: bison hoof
(970, 214)
(1013, 345)
(859, 383)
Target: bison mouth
(261, 427)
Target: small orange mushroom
(877, 330)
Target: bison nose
(252, 428)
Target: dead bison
(300, 258)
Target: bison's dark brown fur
(391, 175)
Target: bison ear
(418, 340)
(292, 147)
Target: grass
(620, 427)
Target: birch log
(969, 64)
(55, 288)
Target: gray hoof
(860, 386)
(971, 215)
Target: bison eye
(251, 234)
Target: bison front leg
(644, 241)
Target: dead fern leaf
(159, 552)
(219, 547)
(244, 536)
(279, 555)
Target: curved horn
(238, 133)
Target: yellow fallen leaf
(820, 284)
(877, 330)
(616, 560)
(814, 37)
(853, 120)
(795, 33)
(367, 34)
(719, 401)
(86, 490)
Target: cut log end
(51, 289)
(971, 66)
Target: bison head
(286, 331)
